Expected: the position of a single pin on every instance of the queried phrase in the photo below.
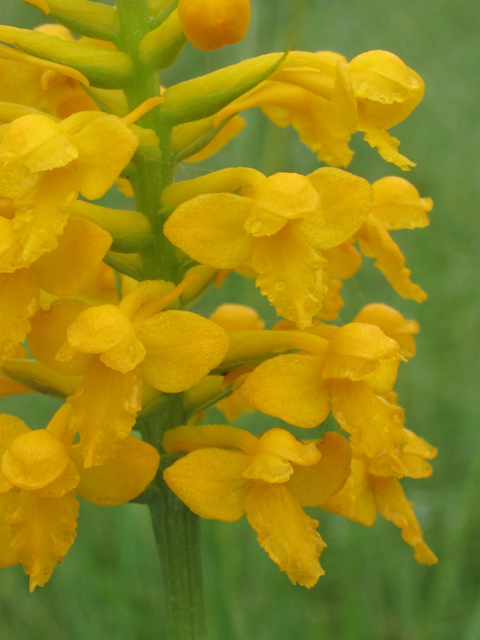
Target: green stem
(177, 534)
(150, 180)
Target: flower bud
(210, 24)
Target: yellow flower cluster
(102, 296)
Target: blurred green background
(108, 586)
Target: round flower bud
(210, 24)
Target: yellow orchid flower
(327, 99)
(210, 24)
(41, 473)
(396, 205)
(115, 346)
(350, 375)
(43, 166)
(229, 472)
(278, 225)
(364, 493)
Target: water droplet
(280, 286)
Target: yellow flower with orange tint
(279, 226)
(349, 374)
(116, 346)
(41, 472)
(396, 205)
(43, 167)
(229, 472)
(327, 99)
(364, 493)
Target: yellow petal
(376, 242)
(312, 485)
(80, 249)
(210, 483)
(39, 142)
(43, 531)
(8, 505)
(20, 297)
(289, 387)
(393, 506)
(393, 324)
(291, 274)
(346, 202)
(34, 459)
(332, 302)
(386, 87)
(374, 424)
(386, 145)
(182, 348)
(209, 435)
(355, 500)
(281, 197)
(397, 204)
(16, 181)
(276, 449)
(210, 229)
(65, 482)
(343, 261)
(10, 428)
(105, 146)
(121, 478)
(98, 329)
(285, 531)
(39, 220)
(104, 411)
(237, 317)
(49, 334)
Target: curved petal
(375, 242)
(210, 229)
(285, 531)
(105, 406)
(393, 505)
(393, 324)
(397, 204)
(357, 350)
(182, 347)
(355, 500)
(346, 202)
(291, 274)
(105, 146)
(289, 387)
(374, 424)
(343, 261)
(120, 478)
(43, 530)
(314, 484)
(49, 334)
(210, 483)
(81, 247)
(10, 428)
(34, 459)
(39, 142)
(39, 220)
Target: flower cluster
(101, 297)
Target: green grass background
(108, 586)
